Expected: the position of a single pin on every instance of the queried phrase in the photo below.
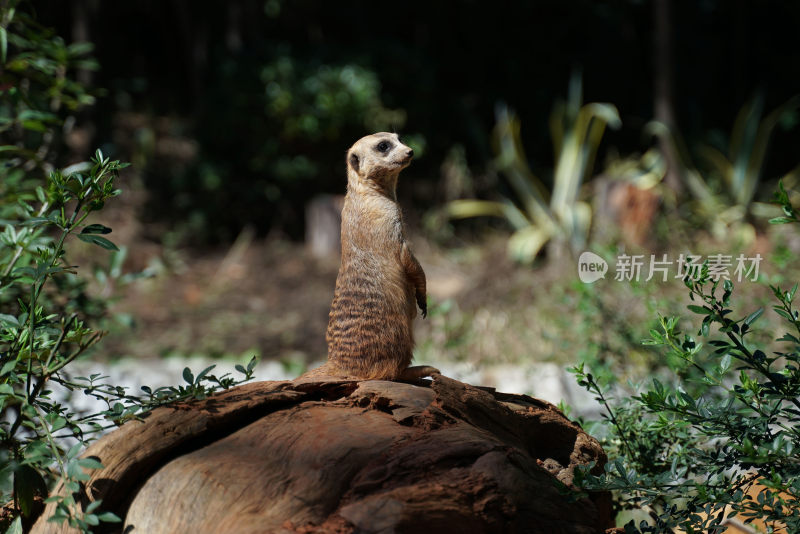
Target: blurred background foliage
(561, 217)
(235, 113)
(616, 125)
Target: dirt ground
(264, 296)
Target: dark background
(200, 72)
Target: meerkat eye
(383, 146)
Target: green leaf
(750, 319)
(605, 112)
(15, 527)
(80, 49)
(686, 398)
(698, 309)
(94, 505)
(203, 374)
(74, 450)
(109, 517)
(727, 285)
(7, 368)
(36, 221)
(96, 229)
(725, 364)
(188, 376)
(786, 337)
(75, 473)
(90, 463)
(27, 484)
(620, 467)
(97, 240)
(9, 319)
(704, 327)
(525, 244)
(34, 126)
(57, 424)
(3, 44)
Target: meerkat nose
(410, 153)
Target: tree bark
(347, 456)
(663, 96)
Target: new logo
(591, 267)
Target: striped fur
(380, 282)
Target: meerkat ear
(353, 162)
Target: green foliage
(45, 316)
(41, 96)
(36, 343)
(38, 340)
(781, 198)
(204, 76)
(718, 438)
(292, 124)
(309, 104)
(538, 215)
(725, 185)
(600, 324)
(38, 93)
(741, 165)
(317, 102)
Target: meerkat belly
(370, 327)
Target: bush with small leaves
(40, 436)
(721, 437)
(45, 316)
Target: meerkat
(380, 282)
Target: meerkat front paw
(423, 305)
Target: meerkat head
(376, 160)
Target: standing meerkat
(380, 282)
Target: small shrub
(45, 315)
(720, 438)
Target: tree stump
(347, 456)
(324, 225)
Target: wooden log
(347, 456)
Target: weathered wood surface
(347, 456)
